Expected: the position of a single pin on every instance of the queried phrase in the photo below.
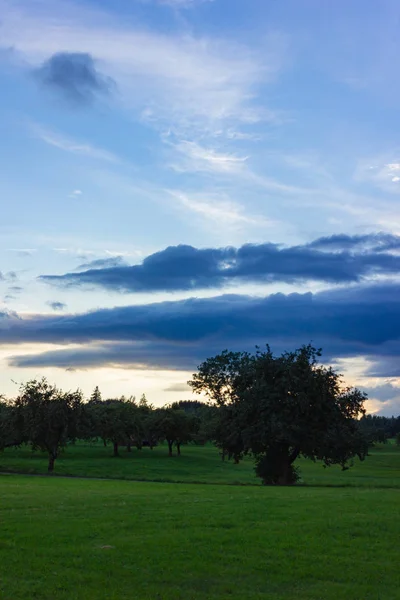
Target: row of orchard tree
(272, 408)
(48, 419)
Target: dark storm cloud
(74, 76)
(385, 366)
(188, 268)
(351, 321)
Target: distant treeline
(380, 429)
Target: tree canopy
(46, 417)
(277, 408)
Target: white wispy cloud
(218, 208)
(23, 251)
(193, 157)
(199, 158)
(172, 77)
(75, 194)
(380, 172)
(69, 145)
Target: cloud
(386, 397)
(339, 259)
(22, 251)
(218, 208)
(187, 80)
(384, 175)
(369, 242)
(76, 194)
(361, 320)
(199, 158)
(178, 387)
(386, 366)
(103, 263)
(56, 306)
(192, 157)
(139, 355)
(384, 392)
(74, 77)
(67, 144)
(9, 276)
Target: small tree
(278, 408)
(96, 395)
(117, 421)
(175, 426)
(47, 418)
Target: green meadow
(197, 464)
(127, 532)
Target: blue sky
(182, 176)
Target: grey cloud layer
(357, 320)
(339, 259)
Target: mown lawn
(197, 465)
(75, 539)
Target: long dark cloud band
(338, 259)
(356, 320)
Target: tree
(10, 433)
(117, 421)
(96, 395)
(380, 429)
(175, 426)
(279, 408)
(47, 418)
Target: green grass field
(196, 465)
(80, 539)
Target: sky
(183, 176)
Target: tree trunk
(170, 444)
(275, 467)
(285, 474)
(178, 447)
(128, 447)
(105, 443)
(52, 459)
(286, 459)
(116, 453)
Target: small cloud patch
(76, 194)
(74, 77)
(57, 306)
(178, 387)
